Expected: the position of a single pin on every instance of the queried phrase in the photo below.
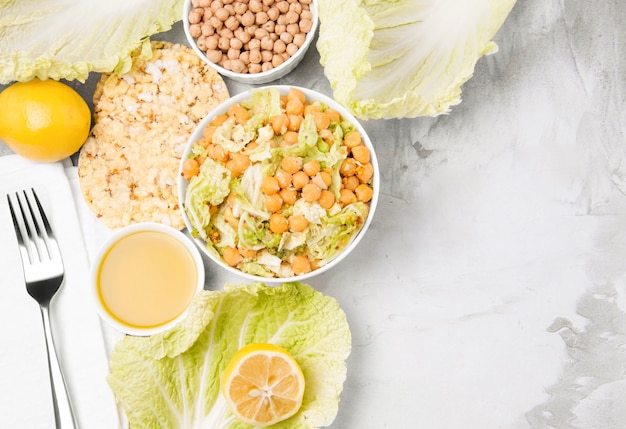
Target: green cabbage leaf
(59, 39)
(405, 58)
(172, 380)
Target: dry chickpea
(273, 13)
(248, 18)
(255, 6)
(270, 185)
(297, 223)
(305, 25)
(279, 46)
(298, 39)
(292, 17)
(267, 66)
(233, 53)
(195, 15)
(286, 37)
(222, 14)
(267, 43)
(292, 48)
(255, 56)
(214, 55)
(277, 60)
(283, 6)
(239, 8)
(254, 68)
(364, 193)
(278, 223)
(261, 18)
(293, 29)
(232, 23)
(266, 55)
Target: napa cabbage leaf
(405, 58)
(172, 380)
(59, 39)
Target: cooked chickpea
(291, 137)
(295, 121)
(291, 164)
(361, 154)
(289, 195)
(283, 178)
(191, 168)
(278, 223)
(300, 179)
(238, 164)
(311, 167)
(270, 185)
(232, 256)
(279, 124)
(273, 203)
(365, 172)
(364, 193)
(352, 139)
(300, 264)
(326, 199)
(311, 192)
(294, 107)
(346, 196)
(297, 223)
(348, 167)
(322, 121)
(350, 182)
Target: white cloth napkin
(25, 398)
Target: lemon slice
(263, 384)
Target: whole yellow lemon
(43, 120)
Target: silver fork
(43, 274)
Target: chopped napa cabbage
(233, 137)
(210, 186)
(336, 231)
(172, 380)
(405, 58)
(58, 39)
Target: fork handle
(63, 412)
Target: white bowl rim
(118, 235)
(310, 94)
(254, 78)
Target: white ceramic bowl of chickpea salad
(278, 184)
(252, 41)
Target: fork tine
(20, 227)
(42, 226)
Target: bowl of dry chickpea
(252, 41)
(278, 183)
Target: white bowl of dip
(145, 277)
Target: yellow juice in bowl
(146, 279)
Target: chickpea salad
(278, 185)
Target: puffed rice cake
(128, 166)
